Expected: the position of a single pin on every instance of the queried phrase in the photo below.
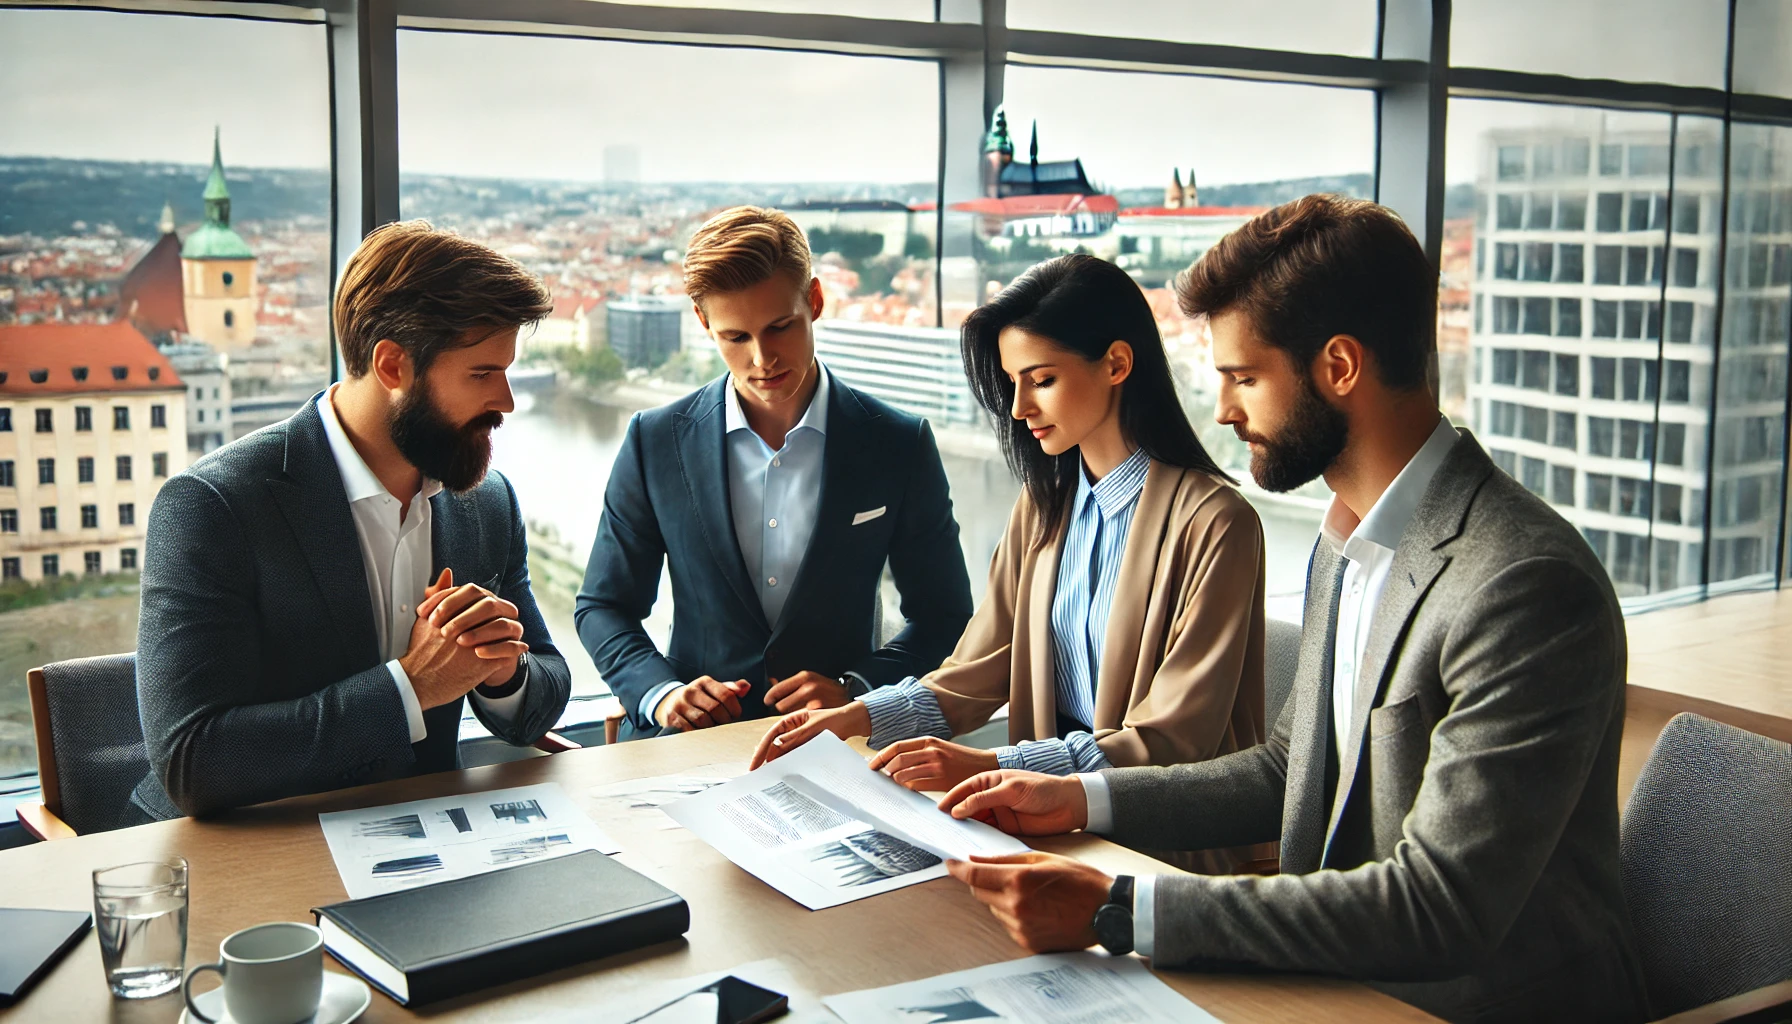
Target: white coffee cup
(273, 974)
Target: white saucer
(345, 998)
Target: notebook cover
(31, 941)
(466, 934)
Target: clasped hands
(463, 637)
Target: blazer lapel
(1038, 610)
(312, 500)
(456, 539)
(1309, 791)
(703, 462)
(1418, 561)
(845, 463)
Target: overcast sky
(139, 87)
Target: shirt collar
(357, 479)
(815, 417)
(1112, 493)
(1382, 527)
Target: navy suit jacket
(668, 495)
(259, 673)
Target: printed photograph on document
(863, 858)
(384, 849)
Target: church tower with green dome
(218, 270)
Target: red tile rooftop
(55, 351)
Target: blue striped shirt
(1088, 573)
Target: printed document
(824, 829)
(398, 846)
(1063, 988)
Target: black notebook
(455, 937)
(31, 941)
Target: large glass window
(1680, 42)
(109, 126)
(1157, 200)
(1659, 163)
(1317, 26)
(1750, 429)
(602, 206)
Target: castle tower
(998, 153)
(1173, 191)
(218, 270)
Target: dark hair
(1321, 266)
(1084, 305)
(424, 289)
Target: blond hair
(739, 248)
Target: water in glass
(140, 913)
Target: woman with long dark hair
(1123, 623)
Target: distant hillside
(47, 196)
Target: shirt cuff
(1144, 913)
(651, 702)
(1101, 804)
(413, 709)
(505, 708)
(903, 711)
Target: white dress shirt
(1368, 548)
(397, 555)
(775, 498)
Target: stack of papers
(824, 829)
(398, 846)
(1064, 988)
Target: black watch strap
(1113, 921)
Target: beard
(457, 456)
(1310, 443)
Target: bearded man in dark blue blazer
(775, 495)
(319, 596)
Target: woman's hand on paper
(799, 727)
(927, 763)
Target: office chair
(1706, 846)
(90, 752)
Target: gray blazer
(1463, 855)
(259, 673)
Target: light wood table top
(270, 863)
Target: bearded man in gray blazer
(1443, 778)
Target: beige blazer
(1181, 675)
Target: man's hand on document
(1021, 803)
(1046, 902)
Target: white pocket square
(869, 514)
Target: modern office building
(644, 330)
(206, 373)
(1595, 301)
(915, 369)
(92, 421)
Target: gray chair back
(1281, 655)
(1706, 844)
(96, 755)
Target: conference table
(270, 862)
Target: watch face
(1113, 928)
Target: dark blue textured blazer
(259, 673)
(668, 494)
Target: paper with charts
(398, 846)
(824, 829)
(1063, 988)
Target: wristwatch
(1113, 922)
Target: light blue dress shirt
(1088, 573)
(775, 497)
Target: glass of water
(140, 913)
